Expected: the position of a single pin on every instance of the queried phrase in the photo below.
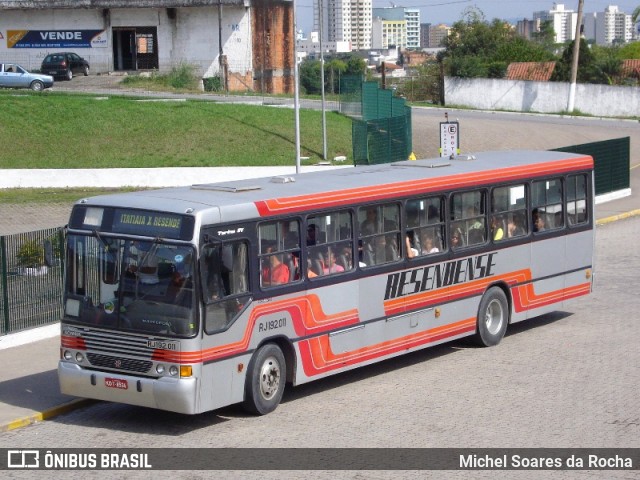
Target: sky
(450, 11)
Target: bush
(31, 254)
(212, 84)
(182, 76)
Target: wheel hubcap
(269, 378)
(494, 316)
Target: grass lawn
(21, 196)
(56, 130)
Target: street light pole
(324, 115)
(574, 62)
(296, 93)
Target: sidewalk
(29, 390)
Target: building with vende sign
(249, 44)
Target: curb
(47, 414)
(615, 218)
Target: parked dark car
(13, 75)
(64, 64)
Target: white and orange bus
(189, 299)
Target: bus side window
(331, 251)
(380, 233)
(425, 226)
(279, 252)
(508, 212)
(576, 204)
(469, 215)
(225, 280)
(547, 206)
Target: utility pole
(574, 62)
(221, 58)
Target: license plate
(116, 383)
(52, 73)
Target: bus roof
(268, 196)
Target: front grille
(119, 363)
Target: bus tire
(266, 378)
(493, 318)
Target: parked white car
(13, 75)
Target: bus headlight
(173, 370)
(79, 357)
(160, 369)
(68, 355)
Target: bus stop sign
(449, 139)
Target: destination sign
(150, 224)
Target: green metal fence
(31, 272)
(611, 162)
(383, 133)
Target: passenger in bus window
(311, 234)
(310, 271)
(558, 219)
(275, 272)
(369, 225)
(456, 239)
(409, 244)
(428, 244)
(538, 220)
(514, 226)
(330, 265)
(497, 232)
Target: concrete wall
(543, 97)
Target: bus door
(333, 292)
(548, 251)
(224, 270)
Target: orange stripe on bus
(317, 356)
(380, 192)
(306, 313)
(309, 318)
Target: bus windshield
(131, 285)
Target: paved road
(564, 380)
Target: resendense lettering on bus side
(433, 277)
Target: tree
(310, 76)
(588, 70)
(629, 51)
(355, 65)
(334, 69)
(546, 37)
(480, 49)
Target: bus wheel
(265, 381)
(493, 317)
